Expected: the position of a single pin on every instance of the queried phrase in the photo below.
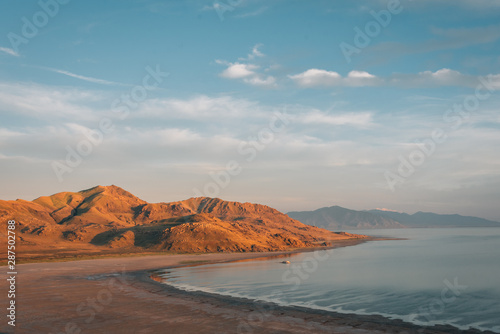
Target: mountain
(101, 219)
(338, 218)
(428, 219)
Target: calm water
(437, 276)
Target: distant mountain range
(429, 219)
(101, 219)
(338, 218)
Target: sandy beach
(117, 295)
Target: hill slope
(336, 218)
(104, 218)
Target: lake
(436, 276)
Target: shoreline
(93, 254)
(265, 309)
(117, 295)
(324, 321)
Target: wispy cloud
(198, 107)
(256, 53)
(256, 12)
(88, 27)
(9, 51)
(362, 119)
(41, 101)
(84, 78)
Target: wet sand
(117, 295)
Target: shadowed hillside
(104, 219)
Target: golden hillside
(109, 219)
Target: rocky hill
(109, 218)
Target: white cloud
(442, 77)
(258, 80)
(361, 78)
(360, 75)
(237, 70)
(317, 77)
(9, 51)
(248, 71)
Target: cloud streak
(362, 119)
(84, 78)
(9, 51)
(256, 12)
(42, 101)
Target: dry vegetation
(111, 221)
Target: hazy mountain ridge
(110, 217)
(336, 217)
(429, 219)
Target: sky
(294, 104)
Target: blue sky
(262, 102)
